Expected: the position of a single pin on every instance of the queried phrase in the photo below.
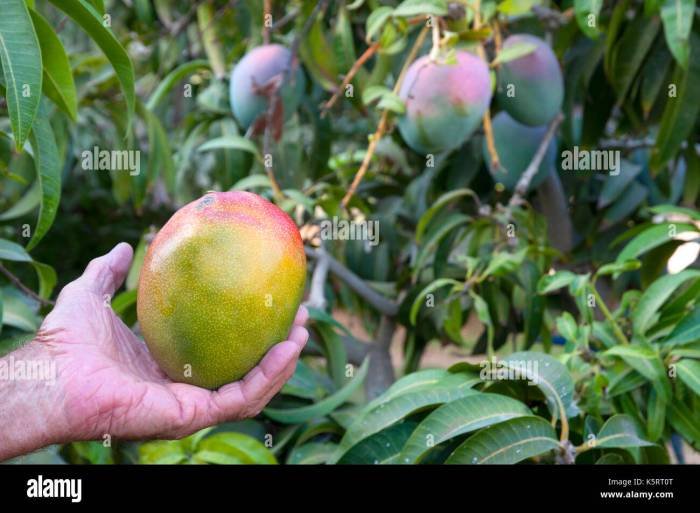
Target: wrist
(31, 399)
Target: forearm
(29, 397)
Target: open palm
(108, 384)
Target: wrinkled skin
(108, 384)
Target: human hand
(109, 386)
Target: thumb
(105, 274)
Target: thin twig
(320, 5)
(383, 121)
(17, 283)
(267, 11)
(351, 74)
(524, 182)
(357, 284)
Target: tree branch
(383, 122)
(17, 283)
(357, 284)
(351, 74)
(524, 182)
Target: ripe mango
(444, 102)
(220, 284)
(255, 69)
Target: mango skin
(537, 80)
(257, 67)
(444, 102)
(516, 144)
(220, 284)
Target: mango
(516, 144)
(220, 284)
(254, 70)
(531, 87)
(444, 102)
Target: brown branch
(267, 10)
(531, 170)
(357, 284)
(17, 283)
(490, 142)
(383, 121)
(367, 54)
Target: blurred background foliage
(505, 280)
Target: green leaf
(567, 327)
(382, 448)
(458, 417)
(376, 20)
(25, 204)
(513, 52)
(648, 363)
(420, 380)
(12, 251)
(123, 301)
(387, 412)
(619, 431)
(516, 7)
(443, 200)
(233, 448)
(20, 56)
(251, 182)
(47, 278)
(336, 355)
(615, 185)
(686, 422)
(306, 383)
(410, 8)
(677, 18)
(48, 170)
(16, 313)
(689, 373)
(90, 21)
(313, 453)
(619, 267)
(686, 331)
(551, 282)
(587, 14)
(321, 408)
(172, 79)
(392, 102)
(212, 39)
(651, 238)
(58, 81)
(161, 452)
(655, 295)
(549, 375)
(629, 53)
(506, 443)
(422, 295)
(681, 110)
(656, 415)
(232, 142)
